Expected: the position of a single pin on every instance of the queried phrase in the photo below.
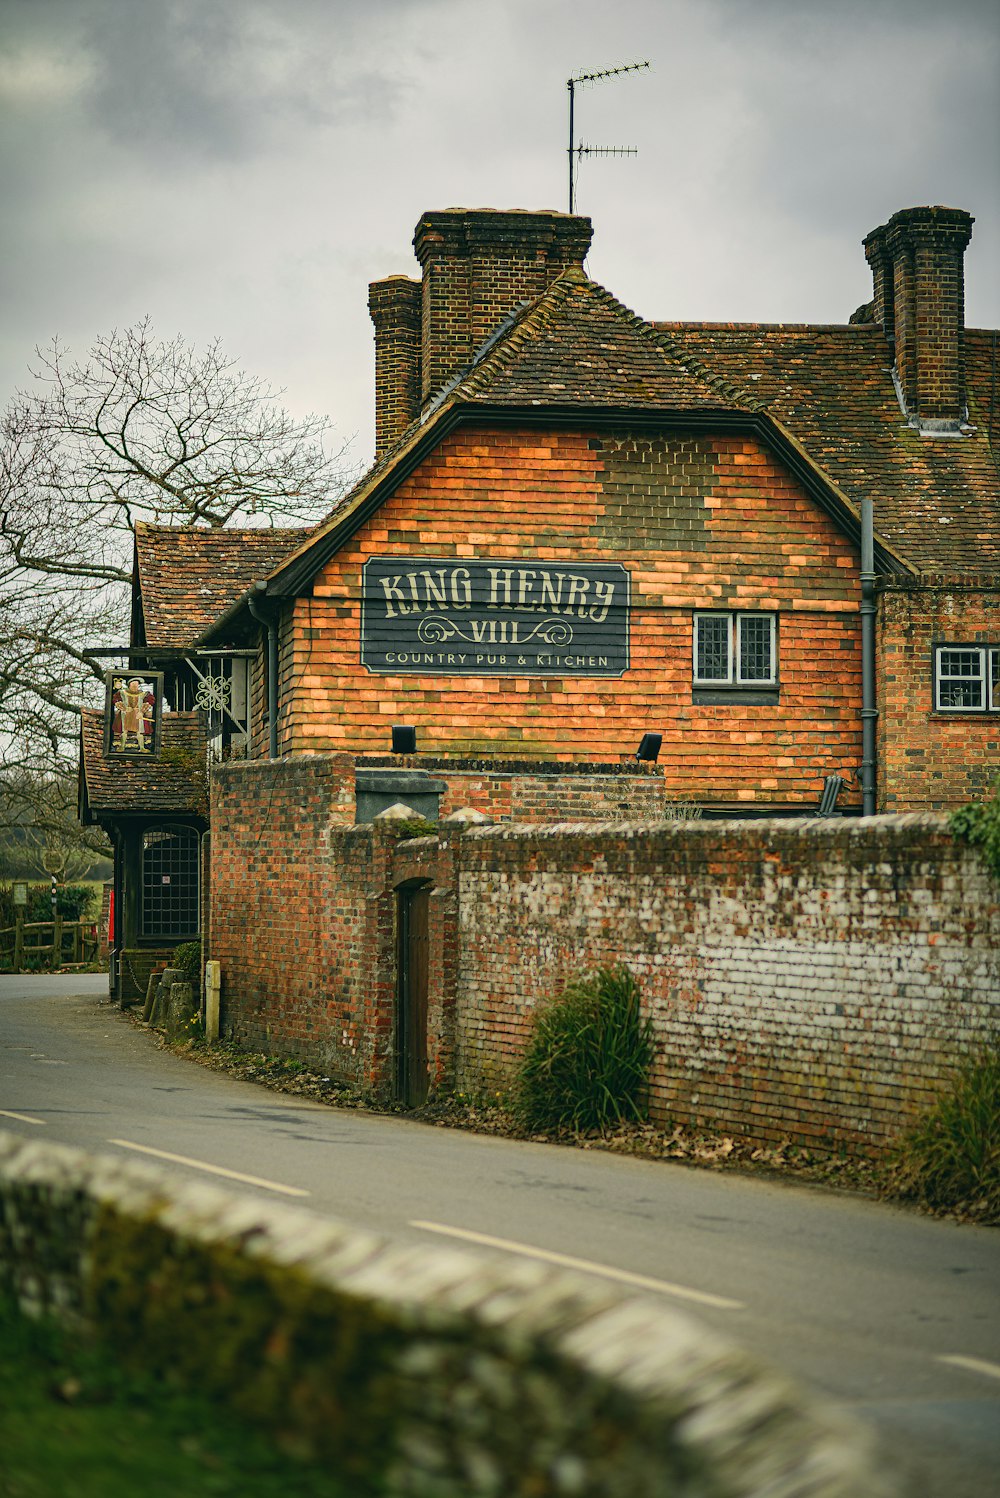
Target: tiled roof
(936, 499)
(190, 575)
(828, 388)
(171, 781)
(578, 346)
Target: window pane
(170, 882)
(995, 680)
(756, 655)
(960, 679)
(712, 648)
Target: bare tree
(141, 430)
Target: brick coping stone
(419, 1371)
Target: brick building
(582, 528)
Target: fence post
(18, 940)
(56, 941)
(77, 941)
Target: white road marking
(568, 1261)
(215, 1170)
(973, 1365)
(22, 1117)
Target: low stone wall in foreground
(415, 1371)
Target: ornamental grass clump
(949, 1159)
(587, 1062)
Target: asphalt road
(885, 1312)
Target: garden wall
(413, 1371)
(808, 980)
(813, 981)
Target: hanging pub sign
(132, 714)
(435, 616)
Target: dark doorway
(412, 912)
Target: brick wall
(292, 928)
(931, 760)
(700, 523)
(812, 981)
(808, 981)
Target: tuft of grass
(949, 1158)
(587, 1062)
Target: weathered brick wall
(808, 980)
(700, 522)
(812, 981)
(292, 927)
(520, 791)
(929, 760)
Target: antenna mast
(582, 150)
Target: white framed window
(967, 678)
(735, 649)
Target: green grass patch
(74, 1423)
(587, 1062)
(949, 1158)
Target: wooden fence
(35, 946)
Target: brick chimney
(478, 266)
(917, 262)
(394, 305)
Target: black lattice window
(735, 649)
(170, 882)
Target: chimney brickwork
(478, 266)
(918, 270)
(394, 305)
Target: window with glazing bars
(735, 649)
(170, 882)
(967, 678)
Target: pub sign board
(442, 616)
(132, 714)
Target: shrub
(587, 1061)
(949, 1159)
(979, 824)
(187, 957)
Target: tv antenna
(575, 151)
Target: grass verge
(73, 1423)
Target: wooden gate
(412, 913)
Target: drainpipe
(869, 712)
(271, 625)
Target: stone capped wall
(413, 1370)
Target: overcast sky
(243, 168)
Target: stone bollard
(158, 1012)
(181, 1009)
(151, 987)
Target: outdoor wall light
(404, 739)
(649, 747)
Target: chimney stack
(478, 266)
(917, 262)
(394, 305)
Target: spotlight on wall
(404, 739)
(650, 747)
